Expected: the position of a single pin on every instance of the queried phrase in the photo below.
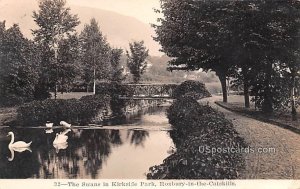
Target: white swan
(19, 144)
(49, 125)
(65, 124)
(60, 141)
(61, 137)
(12, 152)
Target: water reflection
(137, 137)
(116, 137)
(12, 152)
(109, 153)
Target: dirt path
(284, 163)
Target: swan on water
(19, 144)
(61, 137)
(60, 141)
(65, 124)
(49, 125)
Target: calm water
(122, 151)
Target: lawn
(76, 95)
(236, 104)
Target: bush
(191, 88)
(196, 126)
(114, 90)
(185, 112)
(73, 111)
(11, 100)
(190, 163)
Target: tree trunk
(222, 79)
(55, 91)
(294, 111)
(246, 87)
(94, 87)
(246, 93)
(267, 106)
(228, 86)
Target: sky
(140, 9)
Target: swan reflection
(49, 131)
(60, 146)
(13, 150)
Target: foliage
(68, 60)
(186, 111)
(194, 127)
(195, 35)
(95, 53)
(240, 39)
(18, 74)
(117, 70)
(192, 88)
(82, 111)
(114, 90)
(136, 59)
(56, 26)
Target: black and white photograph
(150, 93)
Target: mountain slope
(119, 29)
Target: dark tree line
(254, 42)
(58, 58)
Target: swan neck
(12, 153)
(12, 139)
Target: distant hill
(119, 29)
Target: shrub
(73, 111)
(11, 100)
(114, 90)
(198, 126)
(191, 88)
(185, 112)
(191, 161)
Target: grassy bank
(282, 119)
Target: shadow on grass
(281, 120)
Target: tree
(136, 59)
(277, 38)
(289, 54)
(18, 72)
(55, 23)
(116, 70)
(195, 35)
(247, 40)
(95, 54)
(68, 62)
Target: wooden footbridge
(150, 91)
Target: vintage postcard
(149, 94)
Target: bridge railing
(151, 90)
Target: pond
(124, 151)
